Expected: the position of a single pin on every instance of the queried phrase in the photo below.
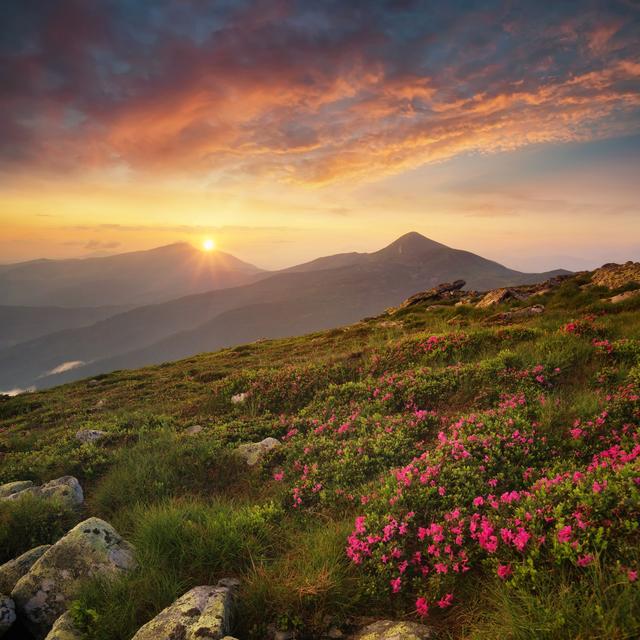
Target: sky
(285, 130)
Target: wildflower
(446, 601)
(632, 575)
(422, 608)
(504, 571)
(278, 476)
(564, 535)
(396, 585)
(585, 561)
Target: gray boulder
(12, 571)
(395, 630)
(64, 629)
(7, 614)
(253, 452)
(91, 548)
(66, 489)
(202, 613)
(89, 436)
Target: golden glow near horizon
(208, 244)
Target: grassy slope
(348, 403)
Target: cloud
(64, 366)
(97, 244)
(308, 93)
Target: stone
(627, 295)
(66, 489)
(517, 314)
(90, 435)
(91, 548)
(64, 629)
(12, 571)
(253, 452)
(7, 614)
(194, 430)
(498, 296)
(442, 291)
(11, 488)
(394, 630)
(201, 613)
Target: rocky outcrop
(64, 629)
(497, 296)
(7, 614)
(12, 571)
(202, 613)
(91, 548)
(253, 452)
(88, 436)
(67, 489)
(614, 275)
(517, 314)
(443, 291)
(394, 630)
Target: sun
(208, 244)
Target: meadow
(437, 464)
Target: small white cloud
(65, 366)
(16, 391)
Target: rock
(204, 612)
(194, 430)
(7, 614)
(253, 452)
(614, 275)
(497, 296)
(441, 291)
(239, 398)
(627, 295)
(90, 435)
(394, 630)
(517, 314)
(67, 489)
(64, 629)
(11, 488)
(91, 548)
(12, 571)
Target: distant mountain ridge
(129, 279)
(323, 293)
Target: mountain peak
(410, 245)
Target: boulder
(517, 314)
(12, 571)
(90, 435)
(202, 613)
(64, 629)
(253, 452)
(498, 296)
(614, 275)
(444, 290)
(7, 614)
(194, 430)
(66, 489)
(11, 488)
(627, 295)
(91, 548)
(394, 630)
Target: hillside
(322, 294)
(126, 279)
(467, 464)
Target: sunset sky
(286, 130)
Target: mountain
(317, 296)
(135, 278)
(20, 324)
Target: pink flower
(478, 501)
(504, 571)
(446, 601)
(422, 608)
(278, 476)
(396, 585)
(632, 575)
(564, 535)
(585, 561)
